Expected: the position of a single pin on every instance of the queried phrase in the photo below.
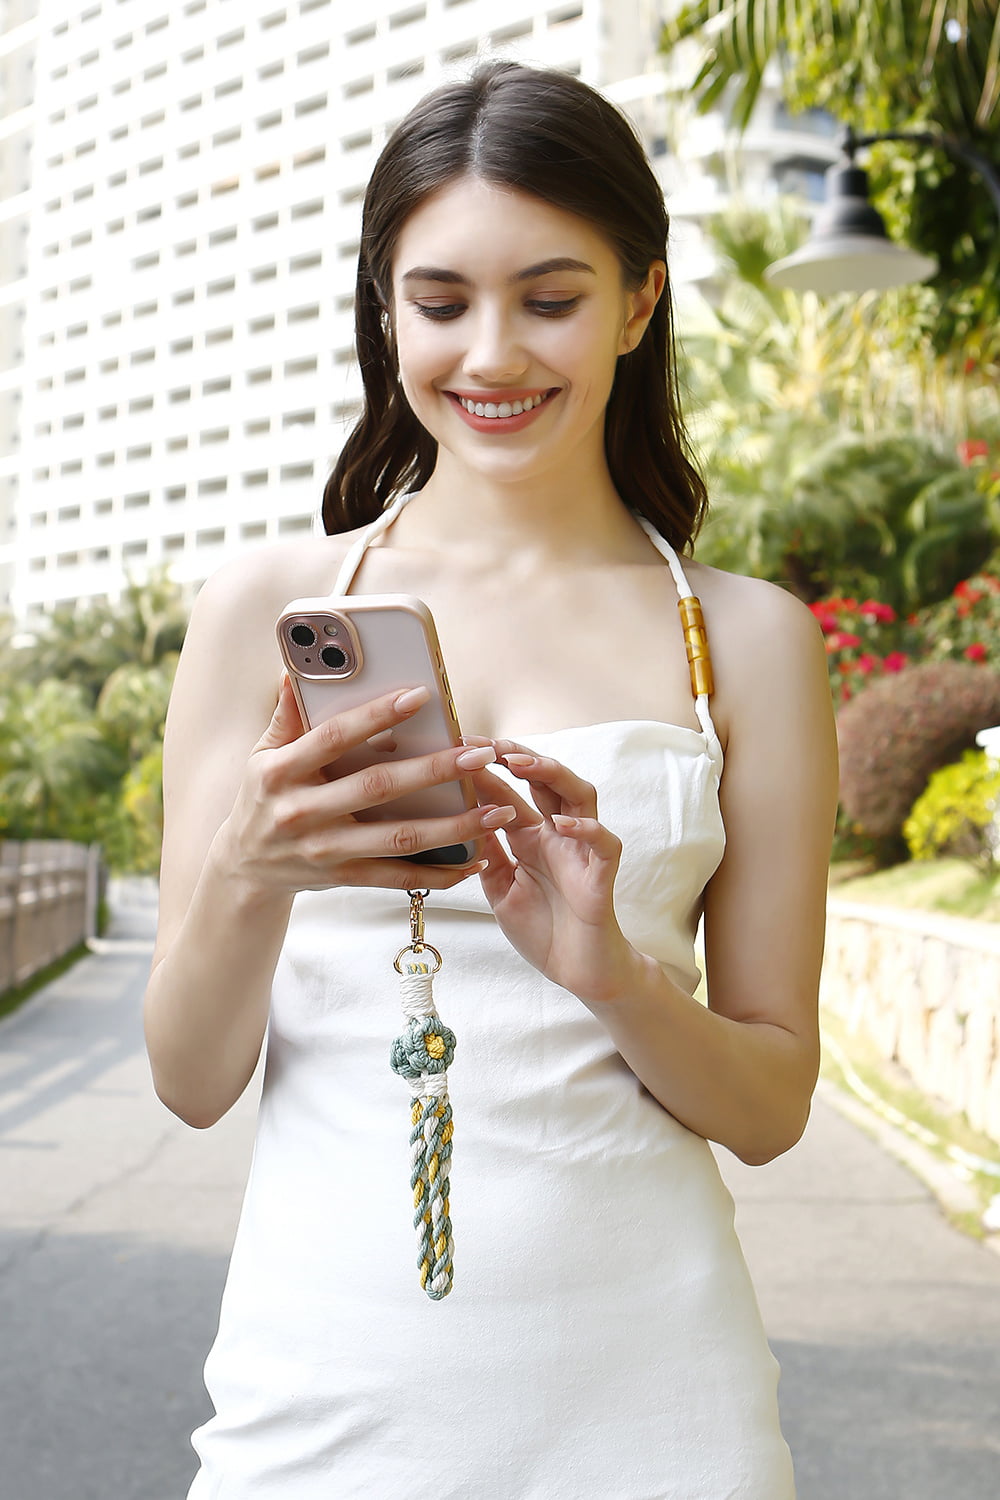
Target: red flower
(971, 449)
(845, 666)
(873, 610)
(975, 652)
(894, 662)
(865, 664)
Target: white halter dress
(602, 1341)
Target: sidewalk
(116, 1220)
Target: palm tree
(86, 644)
(54, 763)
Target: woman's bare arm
(742, 1071)
(250, 819)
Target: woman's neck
(550, 521)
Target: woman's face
(509, 316)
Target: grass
(944, 885)
(12, 998)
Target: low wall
(926, 989)
(48, 899)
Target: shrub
(954, 815)
(899, 730)
(967, 623)
(863, 641)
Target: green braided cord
(425, 1050)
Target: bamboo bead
(696, 641)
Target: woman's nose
(495, 352)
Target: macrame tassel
(422, 1055)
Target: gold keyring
(424, 948)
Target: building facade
(180, 190)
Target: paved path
(115, 1223)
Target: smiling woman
(520, 465)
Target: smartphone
(342, 652)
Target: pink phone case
(343, 652)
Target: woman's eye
(437, 310)
(553, 307)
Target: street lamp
(849, 249)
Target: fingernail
(411, 699)
(520, 760)
(561, 821)
(474, 760)
(497, 816)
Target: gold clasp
(416, 943)
(417, 919)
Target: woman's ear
(640, 305)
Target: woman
(521, 426)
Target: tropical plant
(54, 763)
(916, 65)
(87, 643)
(893, 516)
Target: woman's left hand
(553, 895)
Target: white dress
(602, 1341)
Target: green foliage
(899, 730)
(954, 814)
(88, 644)
(967, 623)
(82, 709)
(53, 763)
(831, 453)
(892, 516)
(884, 65)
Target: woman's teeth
(502, 408)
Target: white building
(180, 188)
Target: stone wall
(926, 989)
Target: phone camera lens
(333, 657)
(303, 635)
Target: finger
(589, 833)
(490, 788)
(404, 875)
(354, 839)
(554, 786)
(286, 721)
(311, 808)
(499, 868)
(325, 743)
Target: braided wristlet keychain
(421, 1055)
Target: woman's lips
(503, 415)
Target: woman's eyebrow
(542, 268)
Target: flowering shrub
(863, 642)
(966, 626)
(900, 729)
(954, 815)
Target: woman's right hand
(292, 828)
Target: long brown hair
(547, 134)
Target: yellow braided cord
(421, 1054)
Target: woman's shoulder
(767, 648)
(263, 580)
(746, 614)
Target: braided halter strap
(422, 1054)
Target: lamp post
(849, 249)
